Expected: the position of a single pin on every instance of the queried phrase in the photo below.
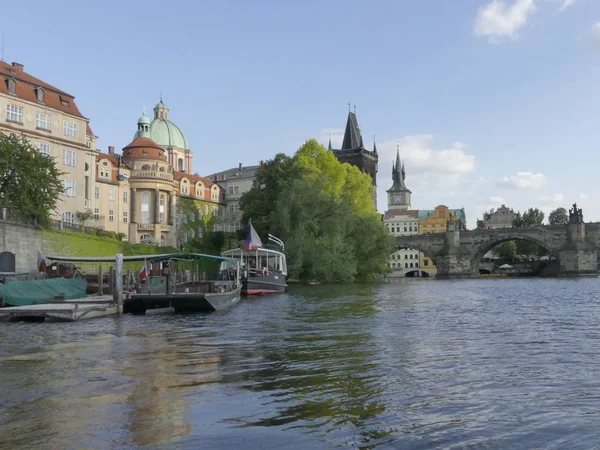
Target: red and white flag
(144, 272)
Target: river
(416, 364)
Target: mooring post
(118, 291)
(100, 280)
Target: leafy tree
(506, 251)
(84, 215)
(530, 218)
(324, 212)
(29, 181)
(558, 217)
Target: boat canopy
(152, 258)
(239, 251)
(20, 293)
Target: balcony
(145, 226)
(151, 174)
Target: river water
(416, 364)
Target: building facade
(503, 217)
(139, 192)
(50, 120)
(401, 220)
(436, 221)
(234, 183)
(353, 152)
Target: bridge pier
(578, 257)
(455, 265)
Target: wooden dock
(92, 307)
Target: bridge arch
(420, 248)
(492, 241)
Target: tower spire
(329, 142)
(374, 145)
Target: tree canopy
(558, 217)
(29, 181)
(323, 210)
(529, 218)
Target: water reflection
(420, 364)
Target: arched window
(145, 238)
(145, 207)
(405, 256)
(145, 167)
(416, 264)
(68, 218)
(161, 209)
(411, 264)
(406, 265)
(393, 265)
(163, 240)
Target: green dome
(166, 134)
(144, 120)
(161, 105)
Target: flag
(41, 262)
(252, 239)
(144, 272)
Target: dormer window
(40, 94)
(12, 86)
(65, 101)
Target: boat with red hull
(264, 267)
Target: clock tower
(398, 194)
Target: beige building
(137, 191)
(503, 217)
(234, 182)
(50, 120)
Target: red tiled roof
(114, 168)
(25, 89)
(88, 130)
(144, 148)
(401, 212)
(112, 158)
(193, 178)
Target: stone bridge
(458, 253)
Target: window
(69, 157)
(124, 216)
(42, 121)
(231, 189)
(215, 212)
(236, 207)
(405, 256)
(14, 113)
(236, 189)
(111, 215)
(69, 188)
(200, 232)
(96, 213)
(145, 238)
(180, 165)
(97, 192)
(442, 213)
(426, 262)
(70, 128)
(161, 209)
(406, 265)
(145, 207)
(230, 208)
(68, 218)
(411, 264)
(12, 86)
(111, 194)
(104, 173)
(125, 197)
(44, 149)
(40, 94)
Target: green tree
(530, 218)
(506, 251)
(323, 210)
(29, 181)
(558, 217)
(84, 216)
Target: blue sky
(490, 102)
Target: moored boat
(264, 267)
(182, 285)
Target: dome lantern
(161, 111)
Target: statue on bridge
(575, 214)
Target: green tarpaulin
(31, 292)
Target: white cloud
(566, 4)
(524, 180)
(498, 19)
(583, 196)
(497, 200)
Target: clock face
(397, 200)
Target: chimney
(18, 66)
(240, 166)
(111, 150)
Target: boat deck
(62, 311)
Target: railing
(152, 174)
(9, 215)
(145, 226)
(63, 225)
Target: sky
(489, 102)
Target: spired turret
(398, 194)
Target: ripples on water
(478, 364)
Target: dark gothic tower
(353, 152)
